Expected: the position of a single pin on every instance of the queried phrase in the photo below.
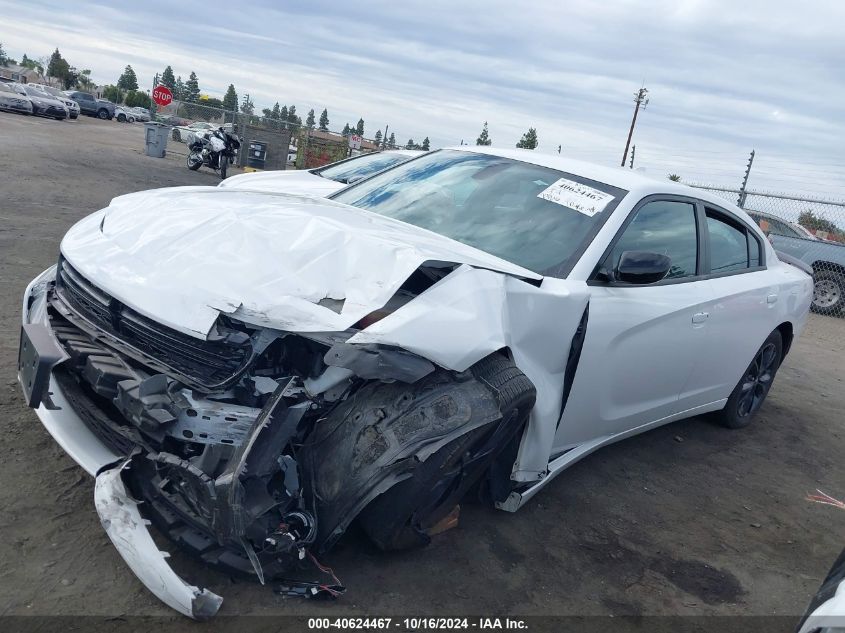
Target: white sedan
(264, 369)
(321, 181)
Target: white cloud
(724, 77)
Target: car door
(642, 341)
(743, 310)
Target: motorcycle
(215, 149)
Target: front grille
(205, 365)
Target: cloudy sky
(724, 76)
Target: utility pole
(558, 149)
(741, 200)
(641, 100)
(633, 151)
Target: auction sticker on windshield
(574, 195)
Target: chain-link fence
(810, 229)
(289, 144)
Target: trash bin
(155, 138)
(257, 156)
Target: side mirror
(354, 179)
(642, 267)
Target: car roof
(404, 152)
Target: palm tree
(674, 177)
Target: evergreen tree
(168, 78)
(276, 112)
(192, 88)
(4, 59)
(391, 142)
(528, 140)
(283, 113)
(128, 80)
(410, 144)
(377, 137)
(309, 121)
(324, 120)
(484, 137)
(345, 131)
(60, 69)
(247, 106)
(230, 99)
(426, 144)
(179, 90)
(359, 129)
(292, 118)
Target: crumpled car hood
(297, 182)
(183, 255)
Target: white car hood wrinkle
(183, 255)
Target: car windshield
(360, 166)
(35, 92)
(534, 216)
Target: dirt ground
(687, 519)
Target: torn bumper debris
(128, 532)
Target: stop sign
(162, 95)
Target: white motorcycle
(216, 149)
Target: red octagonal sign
(162, 95)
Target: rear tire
(103, 114)
(398, 518)
(828, 292)
(754, 385)
(176, 136)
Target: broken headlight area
(254, 448)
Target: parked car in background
(11, 99)
(42, 103)
(91, 106)
(253, 372)
(124, 114)
(826, 258)
(72, 106)
(180, 133)
(322, 181)
(141, 114)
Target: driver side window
(666, 227)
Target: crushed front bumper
(127, 530)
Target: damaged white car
(262, 370)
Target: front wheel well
(786, 335)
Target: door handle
(772, 299)
(700, 317)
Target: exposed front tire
(193, 161)
(754, 385)
(400, 517)
(224, 164)
(828, 292)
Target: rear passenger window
(732, 247)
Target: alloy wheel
(826, 293)
(757, 380)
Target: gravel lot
(684, 520)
